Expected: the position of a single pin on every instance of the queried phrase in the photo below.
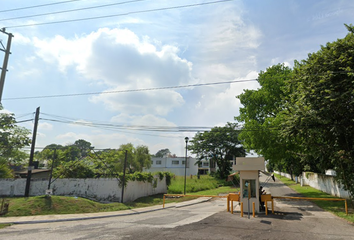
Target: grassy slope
(332, 206)
(42, 205)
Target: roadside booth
(248, 169)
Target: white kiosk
(248, 168)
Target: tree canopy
(220, 144)
(302, 119)
(163, 152)
(321, 108)
(262, 114)
(12, 139)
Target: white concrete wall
(321, 182)
(324, 183)
(101, 189)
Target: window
(175, 162)
(249, 184)
(152, 162)
(158, 162)
(205, 164)
(183, 162)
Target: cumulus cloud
(153, 102)
(119, 59)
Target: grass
(336, 207)
(43, 205)
(193, 184)
(4, 225)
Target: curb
(66, 218)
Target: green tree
(142, 158)
(12, 139)
(262, 115)
(84, 147)
(162, 152)
(321, 108)
(110, 162)
(220, 144)
(77, 169)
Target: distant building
(36, 173)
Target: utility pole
(29, 173)
(124, 168)
(6, 59)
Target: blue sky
(212, 43)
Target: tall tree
(142, 158)
(12, 139)
(321, 108)
(262, 117)
(84, 147)
(220, 144)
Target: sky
(150, 72)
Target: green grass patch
(193, 184)
(336, 207)
(43, 205)
(4, 225)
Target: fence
(101, 189)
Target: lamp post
(185, 166)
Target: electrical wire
(37, 6)
(130, 90)
(71, 10)
(121, 14)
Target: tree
(142, 158)
(321, 108)
(84, 147)
(262, 114)
(162, 152)
(12, 139)
(220, 144)
(78, 169)
(110, 162)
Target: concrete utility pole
(33, 145)
(6, 59)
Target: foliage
(262, 114)
(220, 144)
(12, 139)
(77, 169)
(162, 153)
(321, 108)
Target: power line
(71, 10)
(119, 15)
(36, 6)
(131, 90)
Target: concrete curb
(89, 216)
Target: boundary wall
(324, 183)
(99, 189)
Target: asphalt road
(208, 220)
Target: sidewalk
(86, 216)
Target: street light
(185, 166)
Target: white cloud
(148, 102)
(44, 126)
(119, 59)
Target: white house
(174, 165)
